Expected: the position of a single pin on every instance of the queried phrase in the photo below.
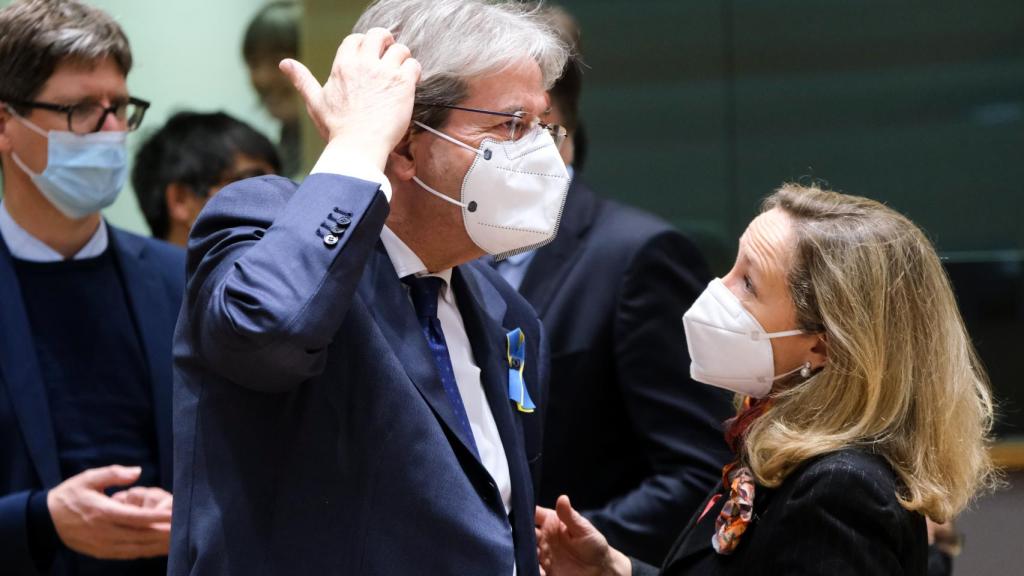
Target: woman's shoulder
(853, 479)
(845, 510)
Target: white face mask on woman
(728, 347)
(513, 193)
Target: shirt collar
(405, 261)
(25, 246)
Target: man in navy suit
(86, 310)
(354, 394)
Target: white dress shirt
(25, 246)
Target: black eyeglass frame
(133, 121)
(558, 132)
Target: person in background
(87, 310)
(865, 409)
(628, 436)
(272, 36)
(182, 165)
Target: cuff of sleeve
(42, 535)
(344, 163)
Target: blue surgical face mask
(84, 172)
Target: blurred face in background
(276, 93)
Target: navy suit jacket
(629, 437)
(153, 276)
(312, 432)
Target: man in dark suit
(87, 310)
(354, 393)
(629, 437)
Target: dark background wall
(697, 109)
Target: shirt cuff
(343, 163)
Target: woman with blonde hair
(862, 406)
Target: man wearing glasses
(86, 310)
(355, 394)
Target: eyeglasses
(89, 117)
(517, 124)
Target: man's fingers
(148, 545)
(300, 76)
(349, 48)
(572, 519)
(376, 42)
(115, 475)
(541, 515)
(153, 497)
(133, 516)
(410, 70)
(395, 55)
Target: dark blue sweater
(97, 386)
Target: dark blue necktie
(424, 291)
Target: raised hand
(366, 103)
(569, 545)
(92, 523)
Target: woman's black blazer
(835, 515)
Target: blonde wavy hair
(902, 379)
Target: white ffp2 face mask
(513, 194)
(728, 347)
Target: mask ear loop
(471, 207)
(804, 370)
(26, 122)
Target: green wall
(696, 110)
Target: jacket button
(343, 220)
(514, 364)
(330, 240)
(338, 230)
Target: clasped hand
(132, 523)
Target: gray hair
(36, 36)
(458, 40)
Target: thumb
(115, 475)
(303, 80)
(573, 520)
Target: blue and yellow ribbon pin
(516, 362)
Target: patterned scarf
(738, 510)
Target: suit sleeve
(846, 521)
(266, 293)
(15, 533)
(678, 421)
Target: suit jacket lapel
(19, 368)
(483, 312)
(154, 318)
(553, 262)
(388, 302)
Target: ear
(402, 159)
(5, 139)
(819, 351)
(182, 204)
